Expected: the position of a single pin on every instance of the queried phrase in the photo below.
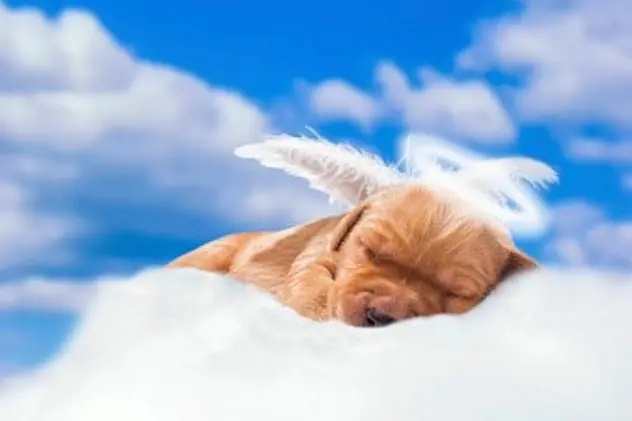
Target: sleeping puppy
(402, 253)
(405, 249)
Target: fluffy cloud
(7, 370)
(67, 83)
(189, 345)
(48, 294)
(583, 235)
(464, 109)
(123, 130)
(617, 153)
(44, 294)
(337, 99)
(576, 56)
(27, 234)
(596, 150)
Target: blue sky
(118, 121)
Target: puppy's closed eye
(332, 271)
(329, 264)
(370, 254)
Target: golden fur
(402, 253)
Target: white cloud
(616, 153)
(337, 99)
(596, 150)
(465, 109)
(44, 294)
(75, 105)
(26, 234)
(75, 54)
(195, 346)
(67, 82)
(461, 109)
(583, 235)
(52, 294)
(8, 370)
(304, 205)
(576, 56)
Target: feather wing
(503, 184)
(533, 172)
(346, 174)
(494, 187)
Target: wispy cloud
(27, 233)
(338, 100)
(596, 150)
(467, 109)
(575, 55)
(47, 295)
(585, 235)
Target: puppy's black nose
(375, 318)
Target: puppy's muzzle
(376, 318)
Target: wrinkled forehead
(415, 226)
(420, 208)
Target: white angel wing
(505, 181)
(494, 187)
(490, 172)
(344, 173)
(495, 176)
(491, 187)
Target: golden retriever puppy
(403, 251)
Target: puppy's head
(408, 253)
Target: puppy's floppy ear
(517, 261)
(345, 226)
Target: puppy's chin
(376, 302)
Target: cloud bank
(75, 103)
(194, 346)
(466, 109)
